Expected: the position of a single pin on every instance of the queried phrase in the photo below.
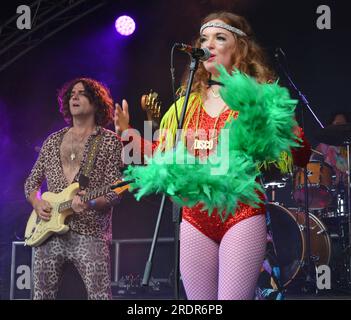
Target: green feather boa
(261, 133)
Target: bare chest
(71, 153)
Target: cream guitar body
(38, 230)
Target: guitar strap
(89, 164)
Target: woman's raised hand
(121, 117)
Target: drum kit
(328, 240)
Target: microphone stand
(176, 210)
(347, 143)
(310, 280)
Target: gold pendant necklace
(73, 154)
(202, 144)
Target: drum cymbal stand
(273, 186)
(348, 264)
(281, 59)
(346, 243)
(310, 280)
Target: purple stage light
(125, 25)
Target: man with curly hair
(87, 107)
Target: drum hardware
(334, 235)
(309, 281)
(315, 258)
(341, 205)
(336, 136)
(340, 135)
(290, 241)
(301, 194)
(303, 227)
(310, 277)
(272, 179)
(274, 185)
(335, 213)
(317, 152)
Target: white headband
(223, 26)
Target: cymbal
(335, 135)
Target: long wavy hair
(247, 56)
(97, 94)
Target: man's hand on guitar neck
(78, 205)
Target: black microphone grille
(207, 54)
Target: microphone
(211, 82)
(201, 53)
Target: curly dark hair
(97, 94)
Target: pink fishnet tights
(225, 271)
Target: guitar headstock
(120, 187)
(152, 105)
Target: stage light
(125, 25)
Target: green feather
(261, 133)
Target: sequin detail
(212, 226)
(207, 128)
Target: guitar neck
(88, 196)
(96, 193)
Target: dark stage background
(130, 67)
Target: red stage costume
(211, 225)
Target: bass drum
(288, 227)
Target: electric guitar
(38, 230)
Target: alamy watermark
(323, 277)
(210, 152)
(24, 20)
(24, 277)
(324, 20)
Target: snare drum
(320, 185)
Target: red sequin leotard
(212, 226)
